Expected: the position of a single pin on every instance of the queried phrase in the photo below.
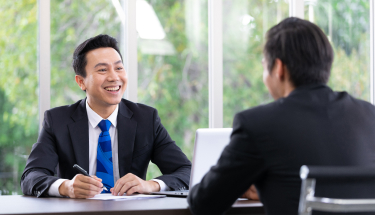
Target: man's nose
(112, 75)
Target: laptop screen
(209, 144)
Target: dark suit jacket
(270, 143)
(64, 141)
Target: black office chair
(344, 178)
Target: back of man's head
(303, 48)
(79, 55)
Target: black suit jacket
(270, 143)
(64, 141)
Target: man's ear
(80, 82)
(279, 69)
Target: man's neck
(283, 90)
(288, 89)
(103, 112)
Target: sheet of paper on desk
(108, 196)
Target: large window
(245, 23)
(18, 90)
(172, 47)
(172, 67)
(347, 25)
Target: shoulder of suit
(356, 101)
(137, 106)
(65, 109)
(263, 109)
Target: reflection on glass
(347, 25)
(72, 22)
(172, 71)
(245, 23)
(18, 90)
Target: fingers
(84, 194)
(254, 193)
(123, 186)
(127, 186)
(130, 184)
(84, 187)
(87, 186)
(125, 183)
(252, 188)
(251, 193)
(96, 178)
(89, 180)
(135, 189)
(247, 193)
(119, 183)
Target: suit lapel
(79, 134)
(126, 130)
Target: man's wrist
(53, 190)
(155, 187)
(63, 189)
(163, 186)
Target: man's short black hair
(303, 48)
(79, 56)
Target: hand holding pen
(81, 186)
(84, 172)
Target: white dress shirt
(94, 132)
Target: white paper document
(108, 196)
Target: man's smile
(113, 88)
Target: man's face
(106, 79)
(270, 80)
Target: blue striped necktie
(104, 165)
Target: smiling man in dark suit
(113, 138)
(307, 124)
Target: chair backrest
(339, 175)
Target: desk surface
(165, 206)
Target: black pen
(81, 170)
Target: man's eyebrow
(101, 64)
(106, 64)
(117, 62)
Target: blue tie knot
(104, 125)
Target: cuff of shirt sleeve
(163, 186)
(54, 188)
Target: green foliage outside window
(18, 89)
(347, 25)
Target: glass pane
(18, 90)
(72, 22)
(173, 62)
(347, 25)
(245, 23)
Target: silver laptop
(208, 146)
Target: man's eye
(102, 70)
(119, 68)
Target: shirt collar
(94, 118)
(308, 87)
